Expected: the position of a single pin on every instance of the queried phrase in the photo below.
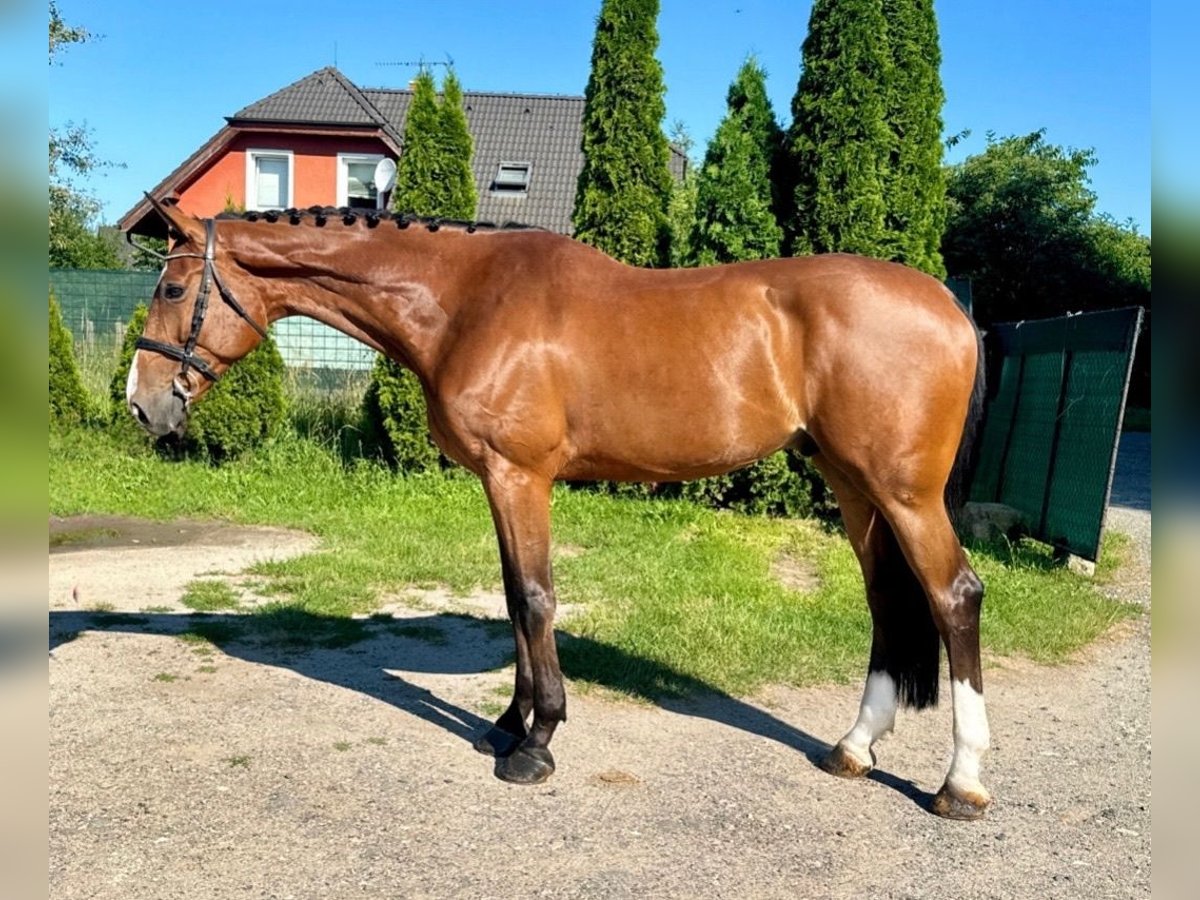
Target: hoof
(497, 742)
(962, 805)
(840, 763)
(526, 765)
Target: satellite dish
(385, 179)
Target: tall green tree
(914, 183)
(457, 150)
(1022, 225)
(420, 186)
(840, 145)
(73, 240)
(433, 178)
(735, 217)
(624, 189)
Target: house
(316, 143)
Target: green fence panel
(1053, 421)
(98, 303)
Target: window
(512, 178)
(268, 179)
(356, 180)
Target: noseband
(187, 353)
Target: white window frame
(343, 173)
(252, 155)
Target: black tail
(959, 485)
(907, 644)
(911, 648)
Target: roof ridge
(364, 102)
(508, 94)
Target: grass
(671, 598)
(210, 595)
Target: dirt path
(348, 772)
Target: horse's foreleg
(511, 728)
(520, 503)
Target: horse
(542, 359)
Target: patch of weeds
(157, 609)
(289, 625)
(491, 709)
(100, 606)
(341, 746)
(377, 741)
(241, 761)
(207, 670)
(210, 595)
(217, 632)
(166, 676)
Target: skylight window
(512, 178)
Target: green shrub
(69, 403)
(239, 413)
(782, 484)
(395, 420)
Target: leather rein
(187, 353)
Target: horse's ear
(178, 222)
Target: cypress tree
(624, 189)
(735, 219)
(69, 401)
(433, 178)
(457, 150)
(840, 142)
(420, 183)
(915, 188)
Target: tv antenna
(422, 63)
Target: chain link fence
(97, 306)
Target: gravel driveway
(178, 772)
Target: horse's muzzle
(163, 414)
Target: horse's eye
(173, 291)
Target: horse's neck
(383, 290)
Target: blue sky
(161, 77)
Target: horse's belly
(675, 438)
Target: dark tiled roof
(326, 97)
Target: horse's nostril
(139, 414)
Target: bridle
(187, 353)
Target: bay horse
(542, 359)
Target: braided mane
(322, 215)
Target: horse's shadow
(364, 655)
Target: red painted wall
(314, 175)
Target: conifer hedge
(242, 411)
(69, 403)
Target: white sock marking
(876, 717)
(971, 738)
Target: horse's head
(196, 328)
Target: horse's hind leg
(955, 594)
(520, 503)
(905, 647)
